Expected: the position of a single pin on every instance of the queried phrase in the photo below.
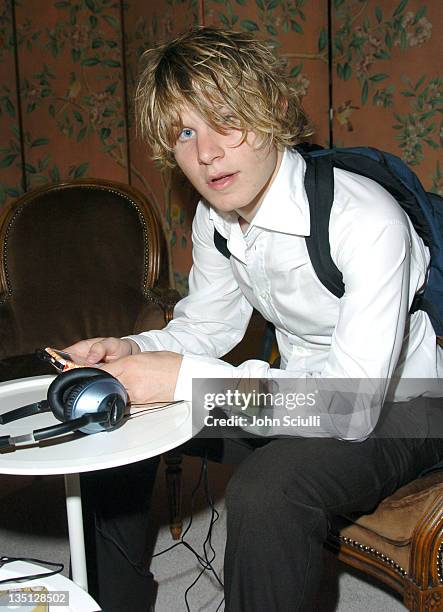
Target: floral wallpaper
(367, 71)
(387, 82)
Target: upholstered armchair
(401, 542)
(80, 259)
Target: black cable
(202, 571)
(205, 561)
(156, 406)
(121, 549)
(214, 513)
(190, 518)
(5, 560)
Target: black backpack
(425, 210)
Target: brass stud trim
(375, 553)
(440, 562)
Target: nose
(209, 147)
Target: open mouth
(222, 180)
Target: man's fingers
(80, 350)
(97, 352)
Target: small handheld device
(61, 360)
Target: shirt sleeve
(214, 316)
(368, 338)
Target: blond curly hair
(230, 78)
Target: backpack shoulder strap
(319, 185)
(221, 244)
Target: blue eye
(186, 134)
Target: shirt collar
(285, 207)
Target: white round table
(146, 433)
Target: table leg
(75, 529)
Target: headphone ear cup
(85, 391)
(58, 410)
(68, 405)
(61, 386)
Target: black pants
(116, 524)
(280, 504)
(284, 496)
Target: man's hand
(148, 377)
(95, 350)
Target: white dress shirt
(367, 334)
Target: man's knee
(267, 493)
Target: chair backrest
(78, 260)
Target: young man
(216, 104)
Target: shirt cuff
(196, 366)
(144, 342)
